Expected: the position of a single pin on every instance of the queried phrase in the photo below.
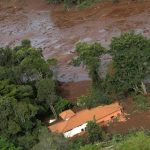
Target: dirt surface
(135, 119)
(73, 90)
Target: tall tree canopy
(131, 61)
(89, 55)
(21, 69)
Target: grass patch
(141, 102)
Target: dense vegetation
(131, 61)
(27, 91)
(78, 3)
(134, 141)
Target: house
(75, 123)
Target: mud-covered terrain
(56, 31)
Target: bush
(78, 3)
(141, 102)
(139, 141)
(94, 132)
(95, 98)
(90, 147)
(5, 145)
(62, 104)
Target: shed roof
(67, 114)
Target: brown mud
(135, 119)
(72, 90)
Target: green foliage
(46, 93)
(18, 118)
(89, 55)
(20, 68)
(5, 145)
(78, 3)
(52, 62)
(26, 43)
(131, 61)
(94, 132)
(62, 104)
(50, 141)
(90, 147)
(82, 101)
(76, 62)
(23, 64)
(76, 143)
(95, 98)
(141, 102)
(139, 141)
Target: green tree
(95, 98)
(131, 61)
(50, 141)
(89, 55)
(94, 132)
(20, 68)
(139, 141)
(46, 93)
(5, 145)
(62, 104)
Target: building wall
(75, 131)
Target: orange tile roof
(67, 114)
(83, 116)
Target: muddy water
(56, 31)
(35, 23)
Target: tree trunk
(143, 88)
(53, 111)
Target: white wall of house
(75, 131)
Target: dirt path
(56, 31)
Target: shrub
(95, 98)
(139, 141)
(94, 132)
(141, 102)
(90, 147)
(5, 145)
(62, 104)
